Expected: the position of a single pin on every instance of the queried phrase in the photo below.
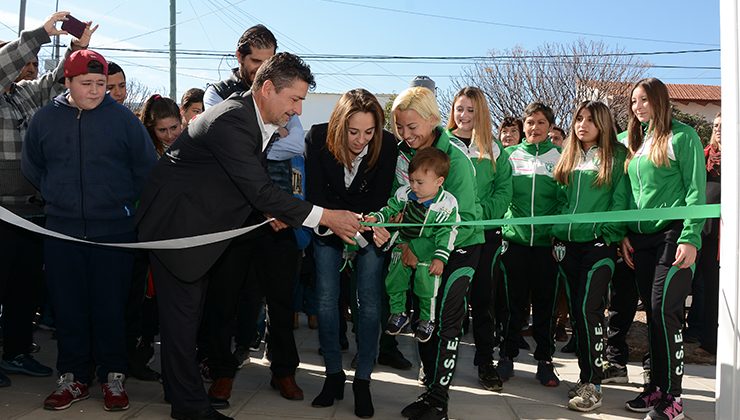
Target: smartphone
(74, 26)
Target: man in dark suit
(212, 179)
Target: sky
(362, 28)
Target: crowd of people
(324, 206)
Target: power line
(541, 59)
(509, 25)
(211, 53)
(165, 28)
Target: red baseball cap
(77, 63)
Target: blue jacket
(90, 166)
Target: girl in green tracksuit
(591, 172)
(666, 169)
(470, 122)
(527, 249)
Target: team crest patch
(558, 250)
(549, 166)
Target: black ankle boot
(333, 390)
(363, 400)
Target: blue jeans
(368, 265)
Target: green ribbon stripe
(704, 211)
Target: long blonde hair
(659, 125)
(352, 102)
(606, 141)
(482, 126)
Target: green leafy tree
(387, 112)
(699, 123)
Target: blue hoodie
(90, 166)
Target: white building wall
(318, 106)
(728, 343)
(707, 111)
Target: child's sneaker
(546, 374)
(424, 330)
(396, 322)
(587, 398)
(645, 401)
(68, 391)
(114, 394)
(668, 408)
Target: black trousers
(181, 310)
(439, 354)
(622, 308)
(588, 267)
(21, 281)
(137, 319)
(665, 287)
(271, 271)
(483, 297)
(88, 288)
(529, 270)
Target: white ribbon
(179, 243)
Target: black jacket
(370, 189)
(211, 180)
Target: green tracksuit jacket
(681, 183)
(584, 196)
(493, 184)
(460, 183)
(443, 209)
(535, 191)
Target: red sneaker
(114, 394)
(68, 391)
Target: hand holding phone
(74, 26)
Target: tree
(559, 75)
(699, 123)
(387, 112)
(137, 94)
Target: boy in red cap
(89, 156)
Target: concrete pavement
(252, 398)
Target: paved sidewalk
(523, 396)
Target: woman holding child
(417, 121)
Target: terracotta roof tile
(677, 92)
(686, 92)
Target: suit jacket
(211, 179)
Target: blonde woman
(417, 121)
(471, 124)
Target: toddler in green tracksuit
(423, 202)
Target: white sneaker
(587, 398)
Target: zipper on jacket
(534, 178)
(578, 197)
(82, 184)
(639, 192)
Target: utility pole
(173, 51)
(22, 19)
